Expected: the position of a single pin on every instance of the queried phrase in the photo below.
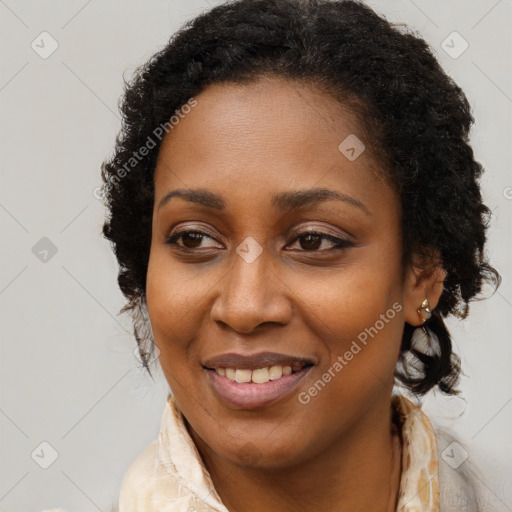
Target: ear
(424, 278)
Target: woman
(295, 208)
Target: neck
(360, 472)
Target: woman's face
(245, 284)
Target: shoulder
(468, 480)
(148, 485)
(135, 484)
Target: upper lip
(254, 361)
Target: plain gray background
(69, 376)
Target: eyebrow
(285, 201)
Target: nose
(251, 294)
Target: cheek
(350, 297)
(359, 321)
(172, 301)
(174, 292)
(178, 302)
(357, 315)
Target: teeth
(275, 372)
(258, 376)
(243, 375)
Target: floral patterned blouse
(169, 475)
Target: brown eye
(310, 242)
(189, 239)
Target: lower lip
(247, 395)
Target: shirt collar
(419, 485)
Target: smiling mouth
(248, 389)
(259, 375)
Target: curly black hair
(413, 116)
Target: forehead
(258, 137)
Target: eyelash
(340, 244)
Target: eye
(190, 239)
(311, 241)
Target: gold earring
(424, 311)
